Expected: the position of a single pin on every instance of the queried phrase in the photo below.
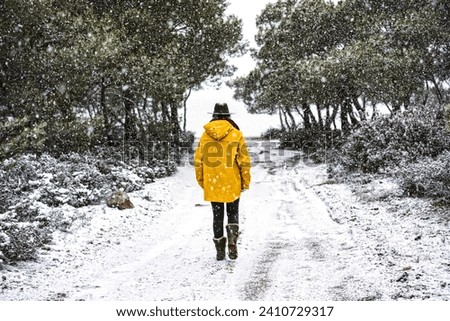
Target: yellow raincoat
(222, 162)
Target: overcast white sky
(202, 102)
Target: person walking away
(222, 169)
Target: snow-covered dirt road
(303, 238)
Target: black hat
(221, 110)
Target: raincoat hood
(218, 129)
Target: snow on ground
(304, 237)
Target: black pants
(218, 216)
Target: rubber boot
(220, 244)
(233, 233)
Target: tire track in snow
(271, 187)
(307, 254)
(261, 278)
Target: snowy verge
(38, 192)
(408, 236)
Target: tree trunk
(155, 104)
(288, 111)
(129, 124)
(361, 110)
(425, 98)
(174, 123)
(396, 108)
(307, 116)
(319, 117)
(344, 119)
(353, 120)
(141, 124)
(145, 117)
(374, 112)
(140, 119)
(334, 115)
(164, 113)
(283, 128)
(285, 119)
(185, 109)
(437, 90)
(313, 118)
(389, 108)
(175, 130)
(331, 118)
(327, 124)
(104, 109)
(300, 113)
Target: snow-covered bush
(28, 225)
(187, 140)
(19, 241)
(272, 133)
(392, 141)
(73, 179)
(427, 177)
(30, 183)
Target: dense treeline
(335, 65)
(80, 73)
(361, 84)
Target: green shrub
(428, 177)
(22, 136)
(19, 241)
(65, 137)
(392, 141)
(18, 136)
(187, 140)
(272, 133)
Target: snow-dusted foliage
(19, 241)
(333, 61)
(390, 141)
(428, 177)
(34, 188)
(80, 74)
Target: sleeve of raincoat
(244, 163)
(198, 163)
